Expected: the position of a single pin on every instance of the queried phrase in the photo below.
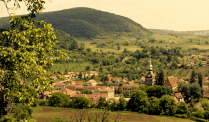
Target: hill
(90, 23)
(192, 33)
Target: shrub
(201, 120)
(205, 104)
(206, 115)
(168, 105)
(154, 107)
(43, 102)
(59, 99)
(114, 106)
(81, 102)
(181, 115)
(122, 104)
(182, 108)
(138, 102)
(198, 114)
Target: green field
(168, 41)
(48, 114)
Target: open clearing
(49, 114)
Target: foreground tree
(168, 105)
(59, 99)
(24, 47)
(81, 102)
(138, 102)
(182, 108)
(154, 107)
(122, 104)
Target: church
(150, 77)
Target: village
(101, 89)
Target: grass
(48, 114)
(76, 67)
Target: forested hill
(91, 23)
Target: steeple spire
(150, 66)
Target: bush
(205, 105)
(138, 102)
(113, 106)
(201, 120)
(168, 105)
(181, 115)
(81, 102)
(206, 115)
(43, 102)
(198, 114)
(59, 99)
(93, 105)
(154, 107)
(182, 108)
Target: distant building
(171, 82)
(150, 77)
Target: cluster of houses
(74, 75)
(100, 89)
(191, 61)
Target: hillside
(192, 33)
(90, 23)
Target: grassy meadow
(49, 114)
(162, 40)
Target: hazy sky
(180, 15)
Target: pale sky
(179, 15)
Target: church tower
(150, 77)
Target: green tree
(182, 108)
(192, 79)
(200, 81)
(138, 102)
(59, 99)
(102, 103)
(142, 87)
(168, 105)
(24, 47)
(154, 107)
(80, 75)
(158, 91)
(122, 104)
(160, 78)
(174, 65)
(81, 102)
(87, 92)
(114, 106)
(118, 47)
(195, 91)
